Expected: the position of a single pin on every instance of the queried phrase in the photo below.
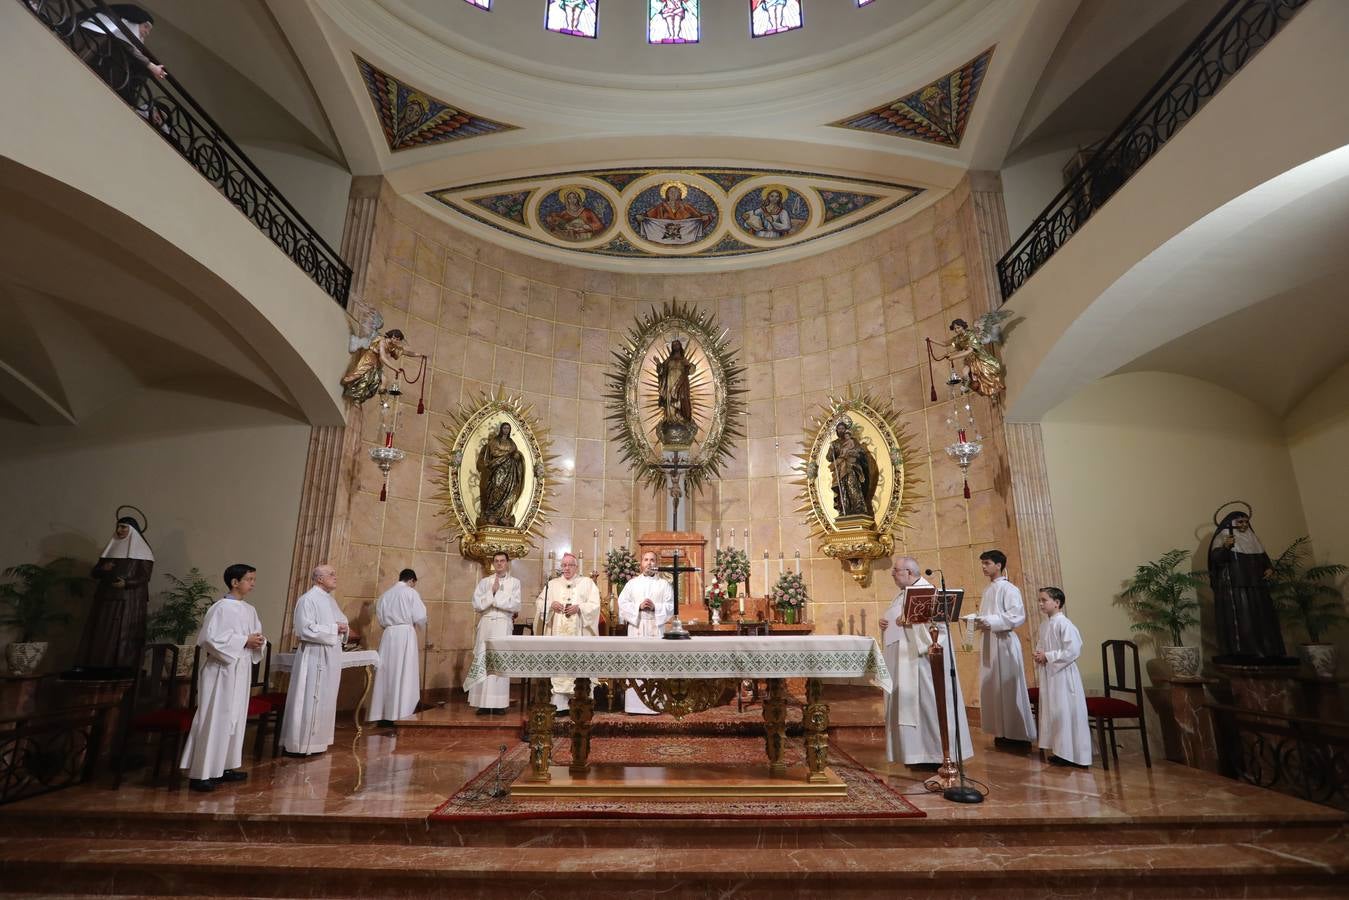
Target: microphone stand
(956, 793)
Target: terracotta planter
(1184, 661)
(23, 656)
(1321, 658)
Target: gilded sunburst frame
(858, 539)
(457, 476)
(717, 389)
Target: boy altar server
(496, 600)
(1064, 729)
(569, 607)
(231, 637)
(312, 704)
(645, 604)
(398, 686)
(1002, 677)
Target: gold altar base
(710, 780)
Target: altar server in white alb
(569, 606)
(496, 600)
(1064, 729)
(231, 641)
(912, 729)
(311, 703)
(645, 605)
(398, 685)
(1005, 705)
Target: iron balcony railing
(107, 45)
(1225, 45)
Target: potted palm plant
(1307, 596)
(27, 605)
(179, 616)
(1162, 602)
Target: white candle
(611, 540)
(718, 538)
(741, 598)
(627, 537)
(798, 562)
(780, 563)
(595, 548)
(746, 541)
(765, 573)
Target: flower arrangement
(715, 596)
(790, 592)
(620, 567)
(731, 566)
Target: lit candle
(798, 562)
(741, 600)
(781, 565)
(595, 546)
(718, 538)
(611, 540)
(765, 573)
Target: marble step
(207, 868)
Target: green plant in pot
(1162, 601)
(179, 616)
(1307, 596)
(27, 601)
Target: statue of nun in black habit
(1238, 571)
(114, 636)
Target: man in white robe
(569, 607)
(645, 605)
(231, 639)
(912, 728)
(311, 703)
(496, 600)
(1064, 728)
(1005, 705)
(398, 685)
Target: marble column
(1187, 724)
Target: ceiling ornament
(410, 117)
(695, 213)
(937, 113)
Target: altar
(679, 678)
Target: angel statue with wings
(982, 371)
(378, 359)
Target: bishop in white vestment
(231, 641)
(569, 607)
(912, 728)
(1005, 705)
(311, 702)
(398, 684)
(645, 604)
(496, 600)
(1064, 728)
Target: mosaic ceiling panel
(937, 113)
(663, 213)
(410, 117)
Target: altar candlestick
(780, 563)
(611, 540)
(798, 562)
(746, 541)
(718, 538)
(627, 538)
(595, 547)
(765, 573)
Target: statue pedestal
(1187, 725)
(692, 548)
(1263, 688)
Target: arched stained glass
(863, 2)
(773, 16)
(575, 17)
(673, 21)
(481, 4)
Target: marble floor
(363, 806)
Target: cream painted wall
(220, 482)
(316, 186)
(1137, 464)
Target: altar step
(85, 867)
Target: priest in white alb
(569, 606)
(1004, 704)
(231, 640)
(496, 600)
(398, 684)
(912, 727)
(1064, 727)
(311, 701)
(645, 605)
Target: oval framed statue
(496, 476)
(856, 485)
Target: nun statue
(1238, 571)
(114, 636)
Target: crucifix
(676, 631)
(674, 466)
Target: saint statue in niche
(673, 373)
(852, 472)
(501, 478)
(1239, 571)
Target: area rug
(868, 796)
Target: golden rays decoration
(468, 430)
(716, 392)
(857, 539)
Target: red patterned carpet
(868, 797)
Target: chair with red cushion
(159, 709)
(1119, 660)
(265, 706)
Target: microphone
(930, 571)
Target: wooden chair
(749, 629)
(1119, 660)
(266, 706)
(159, 709)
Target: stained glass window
(577, 17)
(672, 21)
(863, 2)
(481, 4)
(773, 16)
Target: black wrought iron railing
(1308, 758)
(48, 751)
(1225, 45)
(114, 51)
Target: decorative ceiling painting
(937, 113)
(410, 117)
(675, 213)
